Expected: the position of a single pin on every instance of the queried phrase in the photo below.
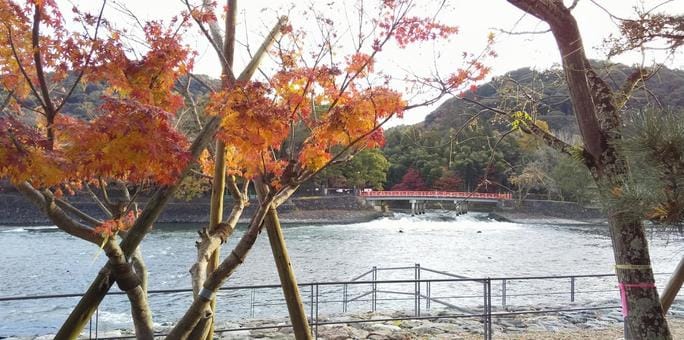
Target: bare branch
(97, 200)
(79, 213)
(214, 44)
(40, 74)
(45, 202)
(23, 71)
(87, 62)
(550, 140)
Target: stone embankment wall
(16, 210)
(557, 209)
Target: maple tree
(449, 181)
(411, 181)
(340, 108)
(131, 141)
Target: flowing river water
(43, 260)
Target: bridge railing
(447, 194)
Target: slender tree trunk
(140, 268)
(215, 218)
(219, 185)
(672, 289)
(200, 307)
(287, 277)
(206, 246)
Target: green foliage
(654, 144)
(367, 169)
(470, 155)
(572, 180)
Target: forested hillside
(464, 146)
(545, 95)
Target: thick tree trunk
(672, 289)
(140, 268)
(641, 306)
(287, 277)
(129, 282)
(85, 308)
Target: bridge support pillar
(461, 207)
(413, 207)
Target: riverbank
(538, 218)
(596, 324)
(548, 212)
(15, 210)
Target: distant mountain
(550, 94)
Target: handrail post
(251, 304)
(344, 298)
(311, 310)
(97, 321)
(316, 327)
(572, 289)
(489, 308)
(503, 293)
(484, 308)
(374, 287)
(428, 287)
(417, 288)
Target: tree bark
(129, 282)
(644, 314)
(140, 268)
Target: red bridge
(434, 196)
(418, 199)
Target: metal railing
(460, 296)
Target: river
(43, 260)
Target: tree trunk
(219, 185)
(199, 309)
(287, 277)
(129, 282)
(672, 289)
(85, 308)
(140, 268)
(641, 306)
(215, 218)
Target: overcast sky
(475, 18)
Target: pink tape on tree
(623, 294)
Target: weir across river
(418, 199)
